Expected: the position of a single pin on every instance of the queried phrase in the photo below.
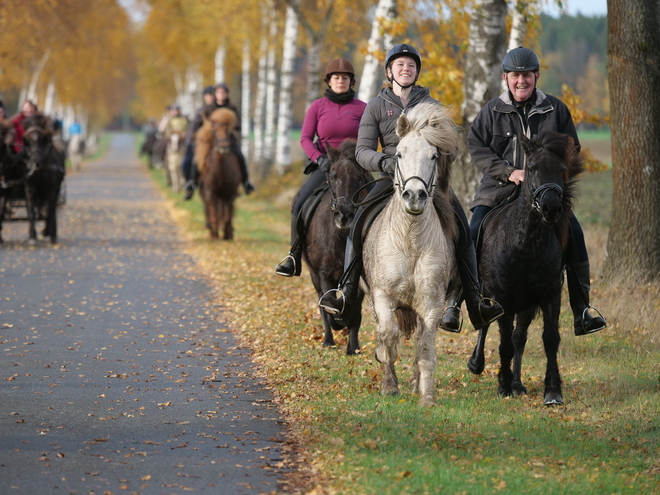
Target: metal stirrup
(330, 309)
(283, 260)
(585, 312)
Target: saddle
(309, 207)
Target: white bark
(483, 73)
(220, 55)
(34, 80)
(271, 86)
(519, 19)
(379, 42)
(49, 101)
(189, 91)
(285, 112)
(245, 101)
(260, 98)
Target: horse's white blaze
(408, 259)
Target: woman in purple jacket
(330, 120)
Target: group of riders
(494, 144)
(157, 136)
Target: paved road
(117, 374)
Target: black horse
(521, 260)
(43, 167)
(11, 181)
(327, 231)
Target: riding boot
(247, 185)
(189, 188)
(482, 311)
(579, 284)
(339, 302)
(291, 265)
(451, 319)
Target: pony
(44, 174)
(220, 173)
(10, 180)
(76, 150)
(408, 253)
(327, 231)
(521, 260)
(173, 159)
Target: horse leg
(228, 213)
(551, 339)
(31, 214)
(505, 376)
(51, 220)
(213, 217)
(388, 339)
(425, 360)
(477, 361)
(3, 202)
(519, 339)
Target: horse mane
(38, 120)
(434, 123)
(204, 136)
(562, 146)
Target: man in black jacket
(495, 148)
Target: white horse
(409, 250)
(175, 153)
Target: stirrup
(460, 319)
(586, 312)
(285, 274)
(491, 302)
(330, 309)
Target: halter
(428, 186)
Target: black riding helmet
(403, 50)
(521, 59)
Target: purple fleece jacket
(332, 123)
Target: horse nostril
(406, 195)
(423, 196)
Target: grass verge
(605, 439)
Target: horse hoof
(476, 368)
(517, 392)
(32, 242)
(426, 402)
(329, 344)
(553, 399)
(394, 392)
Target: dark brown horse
(44, 173)
(521, 260)
(327, 232)
(220, 173)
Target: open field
(605, 439)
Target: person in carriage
(329, 120)
(28, 109)
(495, 147)
(378, 125)
(221, 100)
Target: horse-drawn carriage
(31, 181)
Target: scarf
(339, 98)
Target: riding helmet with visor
(521, 59)
(339, 66)
(403, 50)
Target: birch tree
(260, 98)
(633, 58)
(271, 86)
(219, 59)
(245, 100)
(379, 42)
(483, 69)
(520, 16)
(284, 118)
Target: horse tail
(407, 321)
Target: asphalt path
(118, 374)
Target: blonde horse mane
(434, 123)
(204, 137)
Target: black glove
(388, 164)
(324, 163)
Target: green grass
(594, 135)
(604, 440)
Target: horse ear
(332, 152)
(402, 125)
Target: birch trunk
(519, 19)
(285, 112)
(260, 99)
(379, 42)
(49, 101)
(633, 47)
(271, 86)
(34, 80)
(220, 55)
(483, 73)
(245, 101)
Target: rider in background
(187, 166)
(378, 125)
(329, 120)
(494, 145)
(222, 101)
(28, 108)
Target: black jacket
(494, 140)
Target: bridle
(429, 186)
(539, 193)
(334, 199)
